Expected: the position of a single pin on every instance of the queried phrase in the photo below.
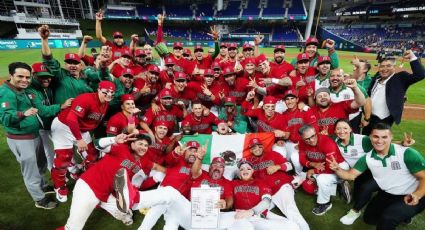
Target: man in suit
(388, 88)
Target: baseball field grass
(17, 209)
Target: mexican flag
(231, 147)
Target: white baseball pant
(326, 184)
(272, 221)
(63, 138)
(284, 199)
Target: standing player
(146, 89)
(72, 128)
(323, 69)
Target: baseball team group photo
(212, 114)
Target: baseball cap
(312, 41)
(127, 97)
(169, 61)
(216, 65)
(223, 44)
(290, 93)
(165, 93)
(40, 70)
(185, 123)
(180, 75)
(187, 51)
(72, 57)
(160, 123)
(230, 101)
(320, 90)
(279, 48)
(117, 34)
(269, 100)
(177, 45)
(209, 72)
(302, 56)
(193, 144)
(127, 71)
(323, 59)
(198, 47)
(243, 162)
(139, 52)
(247, 46)
(218, 160)
(228, 71)
(260, 59)
(254, 141)
(126, 53)
(107, 85)
(249, 60)
(232, 45)
(153, 68)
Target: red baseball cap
(127, 97)
(153, 68)
(117, 34)
(228, 71)
(198, 47)
(247, 46)
(260, 59)
(323, 59)
(107, 85)
(290, 93)
(254, 141)
(209, 72)
(187, 51)
(185, 123)
(160, 123)
(193, 144)
(165, 93)
(139, 52)
(230, 101)
(218, 160)
(216, 65)
(127, 71)
(312, 41)
(223, 44)
(302, 56)
(177, 44)
(243, 162)
(180, 75)
(127, 53)
(269, 100)
(73, 57)
(250, 60)
(279, 48)
(232, 45)
(40, 70)
(169, 61)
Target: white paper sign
(205, 214)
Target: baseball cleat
(46, 203)
(350, 217)
(127, 218)
(344, 191)
(321, 209)
(121, 190)
(62, 194)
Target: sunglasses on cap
(128, 76)
(303, 61)
(118, 37)
(178, 48)
(180, 80)
(186, 55)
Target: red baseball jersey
(295, 119)
(326, 119)
(146, 99)
(88, 60)
(247, 194)
(89, 110)
(118, 123)
(260, 165)
(186, 65)
(280, 70)
(308, 78)
(156, 152)
(239, 89)
(116, 50)
(169, 116)
(224, 184)
(202, 125)
(100, 177)
(264, 124)
(205, 63)
(178, 175)
(215, 89)
(165, 78)
(323, 151)
(186, 96)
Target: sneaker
(48, 189)
(46, 203)
(298, 180)
(62, 194)
(344, 191)
(321, 209)
(122, 190)
(350, 217)
(128, 218)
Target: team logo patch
(31, 96)
(395, 165)
(5, 104)
(353, 152)
(113, 129)
(346, 96)
(79, 108)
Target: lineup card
(205, 214)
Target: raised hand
(214, 33)
(44, 31)
(160, 19)
(333, 164)
(87, 38)
(250, 95)
(252, 83)
(205, 90)
(258, 39)
(408, 139)
(135, 37)
(350, 83)
(99, 15)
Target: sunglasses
(186, 55)
(178, 48)
(117, 37)
(72, 62)
(128, 76)
(180, 80)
